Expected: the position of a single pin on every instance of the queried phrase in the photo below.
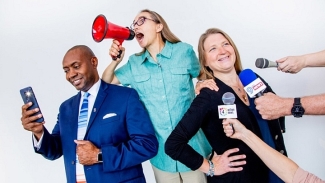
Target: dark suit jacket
(126, 140)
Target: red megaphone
(102, 29)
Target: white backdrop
(35, 34)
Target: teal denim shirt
(166, 89)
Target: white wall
(35, 34)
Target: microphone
(265, 63)
(253, 85)
(229, 109)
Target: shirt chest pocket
(142, 84)
(180, 79)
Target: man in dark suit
(117, 137)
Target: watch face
(297, 111)
(100, 157)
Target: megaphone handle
(118, 56)
(120, 52)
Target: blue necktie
(82, 127)
(83, 117)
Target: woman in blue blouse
(162, 74)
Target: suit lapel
(101, 95)
(73, 119)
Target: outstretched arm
(271, 106)
(294, 64)
(282, 166)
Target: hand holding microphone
(287, 64)
(269, 105)
(229, 127)
(229, 109)
(291, 64)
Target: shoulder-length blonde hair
(206, 72)
(166, 34)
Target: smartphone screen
(29, 96)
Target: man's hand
(208, 83)
(87, 152)
(271, 106)
(28, 120)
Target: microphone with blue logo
(253, 85)
(228, 110)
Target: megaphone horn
(102, 29)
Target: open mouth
(139, 36)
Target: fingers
(226, 163)
(287, 65)
(230, 151)
(80, 142)
(116, 49)
(281, 63)
(25, 107)
(211, 84)
(235, 161)
(237, 158)
(208, 83)
(228, 128)
(28, 119)
(84, 144)
(235, 168)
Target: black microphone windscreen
(261, 63)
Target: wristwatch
(297, 110)
(100, 157)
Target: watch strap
(296, 101)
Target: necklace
(240, 91)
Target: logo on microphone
(223, 111)
(255, 87)
(249, 90)
(227, 111)
(258, 85)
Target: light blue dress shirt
(166, 89)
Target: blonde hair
(166, 34)
(206, 72)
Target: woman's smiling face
(219, 53)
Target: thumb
(80, 142)
(214, 153)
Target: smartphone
(29, 96)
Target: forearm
(205, 166)
(314, 105)
(51, 147)
(278, 163)
(315, 59)
(108, 74)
